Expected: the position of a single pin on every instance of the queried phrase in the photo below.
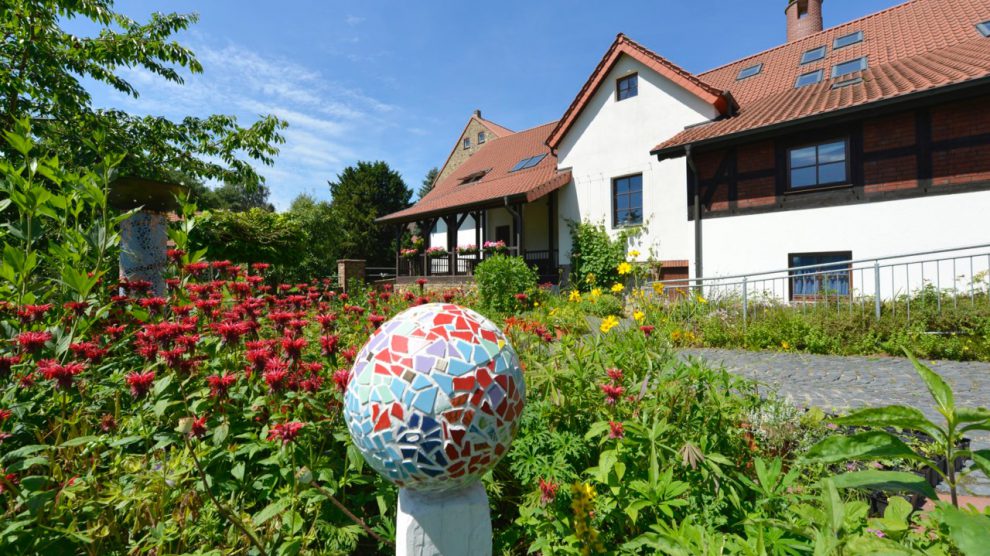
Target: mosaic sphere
(435, 397)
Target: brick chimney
(804, 17)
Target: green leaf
(937, 387)
(237, 471)
(270, 511)
(887, 481)
(220, 433)
(899, 416)
(970, 532)
(862, 446)
(981, 460)
(596, 430)
(78, 441)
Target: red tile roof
(917, 46)
(494, 127)
(624, 45)
(495, 159)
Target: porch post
(477, 236)
(552, 230)
(519, 230)
(452, 226)
(398, 248)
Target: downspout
(698, 252)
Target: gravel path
(838, 382)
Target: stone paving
(839, 382)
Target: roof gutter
(679, 150)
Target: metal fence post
(745, 302)
(877, 304)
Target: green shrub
(595, 256)
(500, 278)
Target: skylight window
(852, 66)
(984, 28)
(813, 55)
(750, 71)
(528, 162)
(476, 176)
(846, 40)
(809, 78)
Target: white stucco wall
(762, 242)
(465, 234)
(613, 138)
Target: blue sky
(396, 81)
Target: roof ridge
(700, 82)
(491, 123)
(823, 31)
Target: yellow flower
(590, 278)
(596, 293)
(658, 287)
(575, 296)
(617, 287)
(702, 300)
(785, 345)
(609, 323)
(633, 254)
(639, 316)
(536, 304)
(624, 268)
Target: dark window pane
(519, 164)
(832, 173)
(832, 152)
(804, 156)
(636, 183)
(803, 177)
(626, 87)
(481, 137)
(621, 186)
(467, 143)
(534, 161)
(621, 202)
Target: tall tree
(361, 194)
(41, 71)
(428, 182)
(322, 236)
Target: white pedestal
(453, 523)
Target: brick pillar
(349, 269)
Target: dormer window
(627, 87)
(481, 137)
(749, 72)
(467, 143)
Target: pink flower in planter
(285, 432)
(616, 430)
(140, 382)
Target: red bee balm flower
(63, 375)
(615, 430)
(33, 341)
(614, 374)
(647, 329)
(32, 313)
(612, 393)
(220, 384)
(276, 375)
(6, 362)
(341, 378)
(328, 344)
(548, 491)
(376, 320)
(286, 432)
(198, 429)
(140, 383)
(293, 347)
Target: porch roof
(493, 162)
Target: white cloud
(331, 125)
(354, 20)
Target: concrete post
(349, 269)
(144, 248)
(444, 523)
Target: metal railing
(892, 285)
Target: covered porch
(526, 228)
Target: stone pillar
(349, 269)
(444, 523)
(144, 248)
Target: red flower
(77, 308)
(548, 491)
(341, 378)
(198, 429)
(5, 414)
(285, 432)
(172, 357)
(63, 375)
(33, 341)
(615, 430)
(220, 384)
(328, 344)
(293, 347)
(327, 321)
(175, 254)
(196, 268)
(32, 313)
(108, 423)
(647, 329)
(114, 331)
(349, 354)
(231, 332)
(153, 304)
(140, 382)
(8, 478)
(260, 267)
(612, 393)
(521, 297)
(614, 374)
(376, 320)
(276, 375)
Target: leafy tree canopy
(361, 194)
(41, 68)
(428, 182)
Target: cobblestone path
(839, 382)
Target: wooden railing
(453, 264)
